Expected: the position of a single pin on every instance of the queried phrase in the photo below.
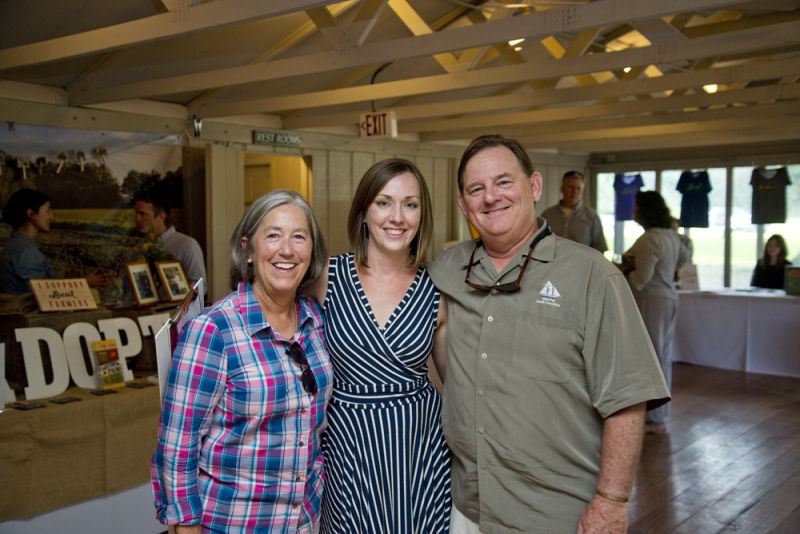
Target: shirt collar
(254, 318)
(167, 233)
(19, 235)
(573, 209)
(543, 251)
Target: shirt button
(484, 355)
(490, 318)
(494, 292)
(482, 393)
(483, 467)
(302, 443)
(303, 409)
(481, 430)
(299, 479)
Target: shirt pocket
(248, 392)
(543, 347)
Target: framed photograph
(176, 286)
(141, 279)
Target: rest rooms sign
(377, 125)
(262, 137)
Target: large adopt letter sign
(66, 354)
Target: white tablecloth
(758, 332)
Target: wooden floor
(730, 461)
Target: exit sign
(377, 125)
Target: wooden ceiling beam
(417, 26)
(297, 35)
(722, 75)
(766, 93)
(756, 132)
(752, 40)
(576, 130)
(368, 14)
(573, 18)
(162, 26)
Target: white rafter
(736, 42)
(762, 71)
(201, 17)
(574, 18)
(557, 131)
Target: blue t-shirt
(20, 261)
(695, 187)
(626, 187)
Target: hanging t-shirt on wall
(695, 187)
(769, 195)
(626, 186)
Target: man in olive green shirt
(549, 366)
(573, 219)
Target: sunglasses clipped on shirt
(298, 356)
(507, 287)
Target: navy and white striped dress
(387, 467)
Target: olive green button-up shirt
(531, 376)
(582, 225)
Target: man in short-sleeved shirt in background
(549, 366)
(571, 218)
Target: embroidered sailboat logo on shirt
(549, 294)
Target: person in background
(239, 438)
(571, 218)
(651, 264)
(549, 366)
(28, 213)
(770, 270)
(685, 239)
(386, 462)
(152, 216)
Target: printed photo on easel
(173, 279)
(141, 280)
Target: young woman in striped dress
(387, 467)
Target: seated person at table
(770, 269)
(28, 213)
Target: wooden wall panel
(224, 209)
(319, 188)
(362, 161)
(340, 193)
(443, 187)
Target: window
(747, 239)
(708, 244)
(745, 247)
(606, 201)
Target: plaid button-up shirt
(239, 440)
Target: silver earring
(249, 261)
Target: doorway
(266, 172)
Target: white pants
(659, 314)
(461, 524)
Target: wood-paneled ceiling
(590, 76)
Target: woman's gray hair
(243, 271)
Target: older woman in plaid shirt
(239, 440)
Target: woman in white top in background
(650, 266)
